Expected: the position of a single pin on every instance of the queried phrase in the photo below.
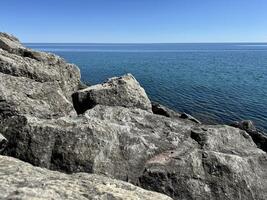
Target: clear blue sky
(135, 20)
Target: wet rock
(258, 137)
(20, 180)
(122, 91)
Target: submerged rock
(118, 91)
(20, 180)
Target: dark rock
(164, 111)
(159, 109)
(20, 180)
(246, 125)
(3, 143)
(258, 137)
(119, 91)
(189, 117)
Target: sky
(135, 21)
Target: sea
(216, 83)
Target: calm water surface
(217, 83)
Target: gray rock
(118, 91)
(20, 95)
(246, 125)
(226, 165)
(170, 156)
(22, 181)
(258, 137)
(159, 109)
(16, 60)
(114, 141)
(10, 43)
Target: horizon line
(144, 42)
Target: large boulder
(225, 165)
(175, 157)
(118, 91)
(16, 60)
(34, 83)
(22, 181)
(115, 141)
(25, 96)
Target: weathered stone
(115, 141)
(226, 165)
(170, 156)
(20, 95)
(17, 60)
(22, 181)
(258, 137)
(119, 91)
(10, 43)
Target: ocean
(216, 83)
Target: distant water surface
(217, 83)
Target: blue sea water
(217, 83)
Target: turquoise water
(217, 83)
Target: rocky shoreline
(60, 139)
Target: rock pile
(111, 131)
